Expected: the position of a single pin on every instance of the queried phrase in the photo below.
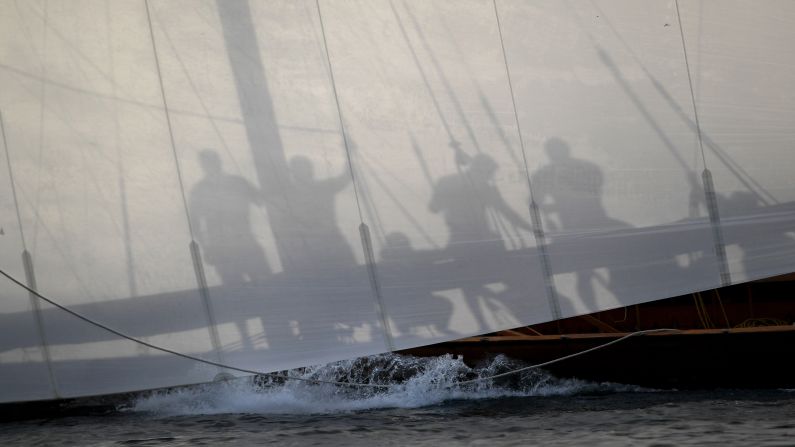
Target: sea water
(424, 406)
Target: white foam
(415, 382)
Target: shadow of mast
(259, 119)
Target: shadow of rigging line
(615, 72)
(440, 72)
(99, 71)
(426, 173)
(129, 254)
(397, 203)
(71, 46)
(88, 142)
(487, 105)
(153, 107)
(422, 73)
(69, 265)
(608, 62)
(503, 137)
(732, 165)
(109, 79)
(193, 88)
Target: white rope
(570, 356)
(303, 379)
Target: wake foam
(414, 382)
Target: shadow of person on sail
(321, 258)
(324, 250)
(220, 209)
(470, 202)
(568, 192)
(408, 271)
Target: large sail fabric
(274, 184)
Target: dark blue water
(529, 409)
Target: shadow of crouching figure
(409, 276)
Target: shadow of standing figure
(568, 192)
(220, 208)
(470, 202)
(321, 262)
(324, 250)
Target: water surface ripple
(530, 409)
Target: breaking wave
(413, 382)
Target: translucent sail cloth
(274, 184)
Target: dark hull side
(707, 358)
(735, 337)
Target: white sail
(274, 184)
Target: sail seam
(339, 111)
(168, 119)
(363, 229)
(198, 268)
(690, 84)
(27, 264)
(538, 227)
(11, 179)
(706, 176)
